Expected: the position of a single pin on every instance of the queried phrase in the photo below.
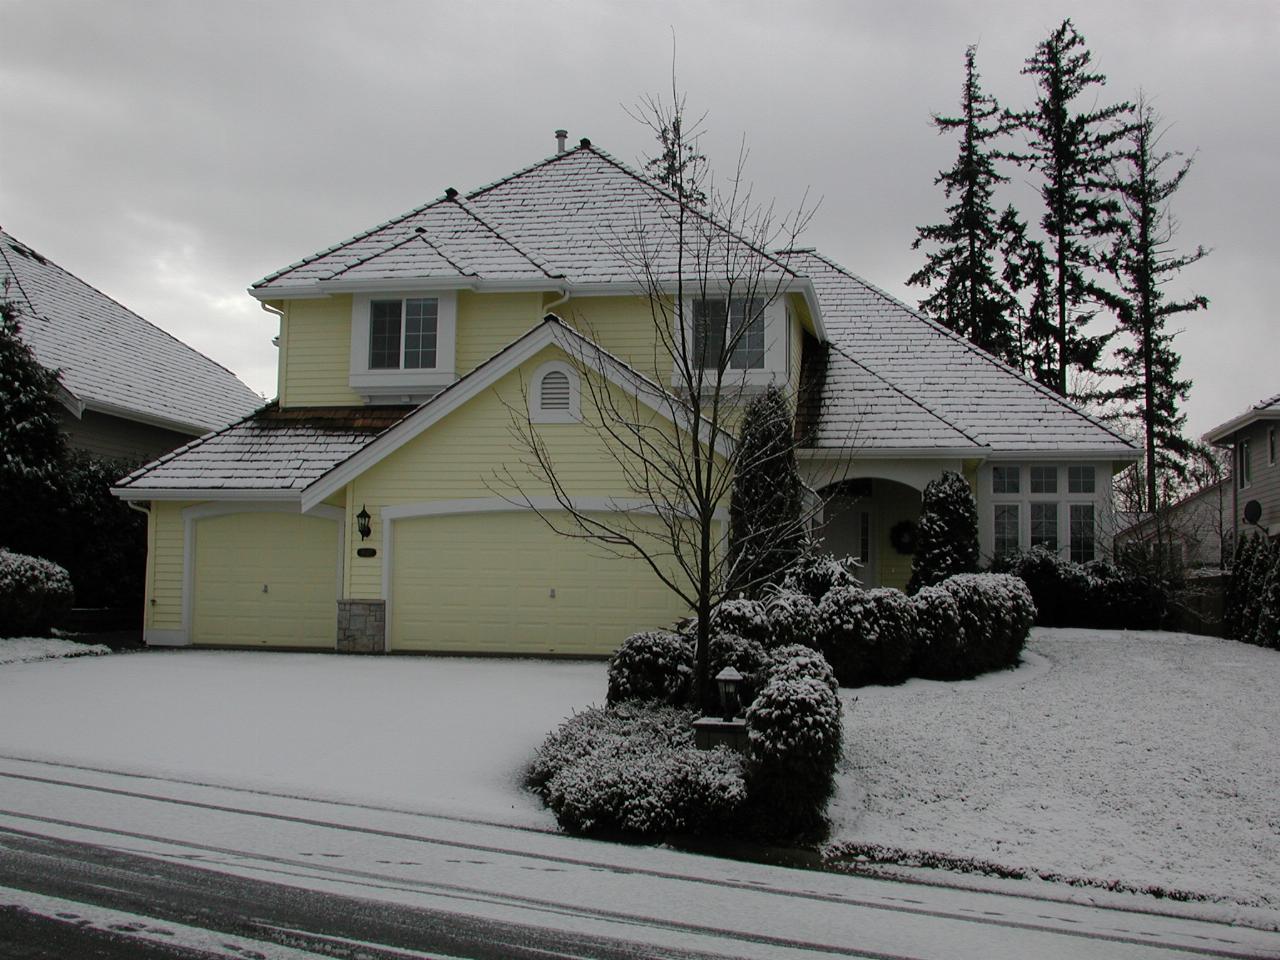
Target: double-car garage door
(503, 582)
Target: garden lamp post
(729, 680)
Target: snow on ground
(1144, 757)
(439, 735)
(30, 649)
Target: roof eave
(151, 420)
(204, 493)
(1220, 435)
(891, 453)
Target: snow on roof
(271, 450)
(949, 380)
(109, 357)
(1268, 409)
(580, 217)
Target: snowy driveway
(435, 735)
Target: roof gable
(1268, 409)
(110, 359)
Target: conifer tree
(766, 512)
(1072, 150)
(32, 448)
(1142, 260)
(969, 291)
(948, 541)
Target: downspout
(564, 297)
(146, 512)
(279, 315)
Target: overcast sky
(171, 153)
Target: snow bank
(1144, 758)
(30, 649)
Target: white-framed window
(1044, 479)
(719, 321)
(555, 394)
(1044, 525)
(1006, 479)
(402, 343)
(1244, 464)
(1081, 532)
(1008, 524)
(1080, 479)
(1271, 446)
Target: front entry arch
(858, 520)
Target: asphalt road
(99, 864)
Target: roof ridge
(545, 161)
(897, 389)
(400, 243)
(50, 262)
(973, 348)
(537, 261)
(350, 240)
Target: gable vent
(554, 391)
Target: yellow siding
(164, 566)
(488, 322)
(462, 456)
(315, 343)
(624, 326)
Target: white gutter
(202, 494)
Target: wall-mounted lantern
(362, 523)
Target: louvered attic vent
(555, 391)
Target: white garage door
(504, 583)
(266, 579)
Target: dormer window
(555, 395)
(415, 318)
(717, 321)
(402, 345)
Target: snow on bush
(996, 614)
(794, 736)
(941, 651)
(793, 617)
(746, 656)
(816, 574)
(634, 768)
(654, 665)
(797, 660)
(948, 538)
(34, 595)
(1096, 594)
(743, 618)
(1253, 594)
(867, 635)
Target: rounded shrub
(794, 744)
(743, 618)
(653, 665)
(746, 656)
(815, 575)
(844, 634)
(796, 661)
(793, 617)
(1060, 588)
(996, 613)
(941, 651)
(34, 595)
(947, 543)
(894, 618)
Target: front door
(848, 529)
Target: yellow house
(386, 501)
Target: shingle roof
(271, 450)
(1268, 409)
(884, 352)
(111, 358)
(579, 217)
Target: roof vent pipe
(561, 137)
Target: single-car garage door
(265, 579)
(504, 583)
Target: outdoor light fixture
(728, 680)
(362, 523)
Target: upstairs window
(1271, 446)
(1080, 480)
(1244, 464)
(1005, 479)
(402, 334)
(1044, 479)
(717, 322)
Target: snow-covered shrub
(748, 657)
(743, 618)
(34, 595)
(948, 532)
(793, 617)
(815, 574)
(941, 651)
(1059, 587)
(867, 635)
(795, 661)
(634, 768)
(653, 665)
(794, 743)
(1253, 593)
(996, 614)
(1131, 595)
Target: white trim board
(191, 515)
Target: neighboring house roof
(110, 359)
(1263, 410)
(309, 453)
(575, 220)
(884, 354)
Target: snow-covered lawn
(1148, 759)
(1152, 759)
(31, 649)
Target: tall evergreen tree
(969, 290)
(1073, 151)
(1143, 260)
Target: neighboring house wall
(1263, 482)
(1197, 524)
(103, 435)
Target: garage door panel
(294, 557)
(485, 582)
